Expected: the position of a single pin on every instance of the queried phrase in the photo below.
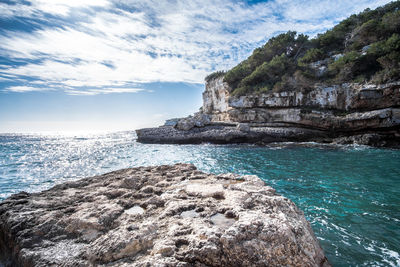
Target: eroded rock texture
(350, 113)
(157, 216)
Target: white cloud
(103, 91)
(316, 10)
(63, 7)
(70, 91)
(104, 46)
(37, 8)
(23, 89)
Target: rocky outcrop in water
(324, 114)
(226, 134)
(157, 216)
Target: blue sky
(96, 65)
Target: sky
(110, 65)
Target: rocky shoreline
(263, 135)
(220, 134)
(157, 216)
(345, 114)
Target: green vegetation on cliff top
(361, 48)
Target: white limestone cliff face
(349, 106)
(215, 97)
(346, 97)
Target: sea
(349, 194)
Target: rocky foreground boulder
(157, 216)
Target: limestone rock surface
(346, 113)
(198, 120)
(244, 127)
(227, 134)
(157, 216)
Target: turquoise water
(351, 195)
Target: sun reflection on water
(350, 194)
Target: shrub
(214, 75)
(242, 91)
(312, 55)
(342, 68)
(264, 89)
(350, 57)
(386, 75)
(390, 60)
(361, 36)
(235, 75)
(269, 72)
(253, 70)
(391, 22)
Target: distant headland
(342, 86)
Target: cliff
(342, 108)
(157, 216)
(349, 113)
